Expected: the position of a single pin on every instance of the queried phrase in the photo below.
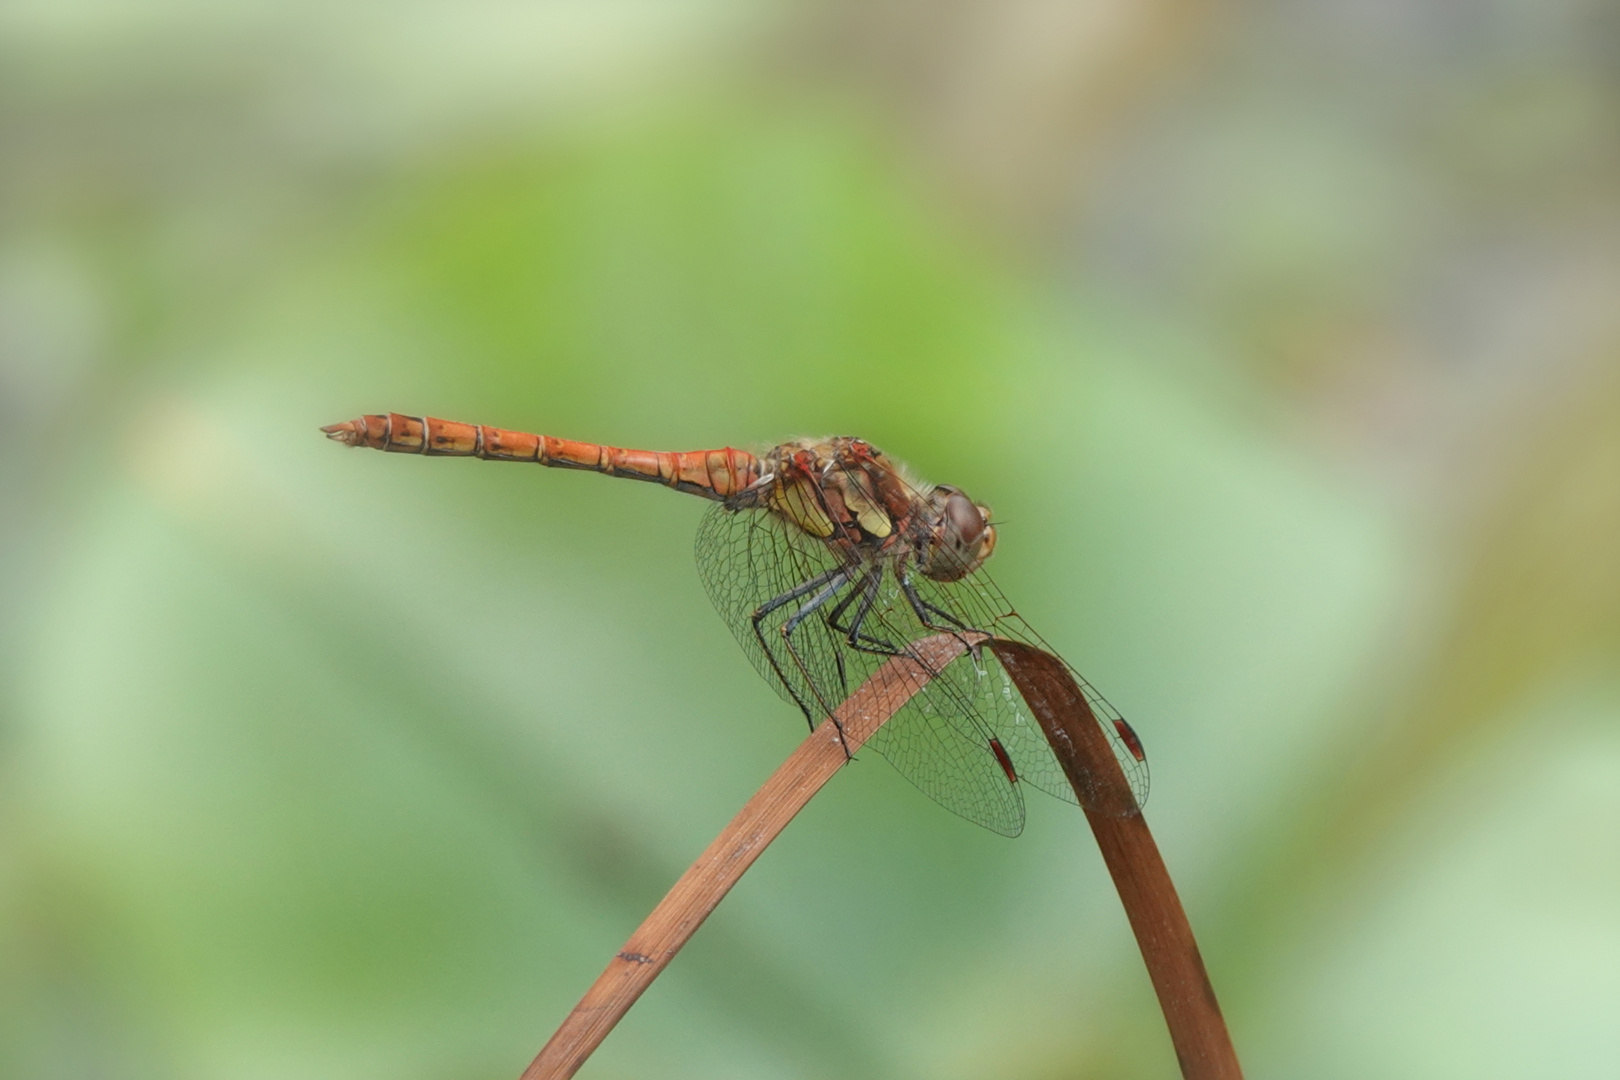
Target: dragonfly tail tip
(344, 433)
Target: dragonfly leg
(867, 593)
(801, 589)
(832, 625)
(808, 608)
(765, 609)
(838, 581)
(843, 605)
(924, 609)
(925, 612)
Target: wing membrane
(766, 576)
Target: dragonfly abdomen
(713, 474)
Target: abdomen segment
(713, 474)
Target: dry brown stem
(706, 882)
(1197, 1030)
(1194, 1018)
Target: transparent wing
(765, 577)
(750, 559)
(977, 602)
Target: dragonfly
(826, 558)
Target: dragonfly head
(960, 536)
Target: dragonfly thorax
(846, 492)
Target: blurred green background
(1283, 338)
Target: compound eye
(963, 519)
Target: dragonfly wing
(764, 575)
(750, 559)
(935, 744)
(1122, 737)
(977, 601)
